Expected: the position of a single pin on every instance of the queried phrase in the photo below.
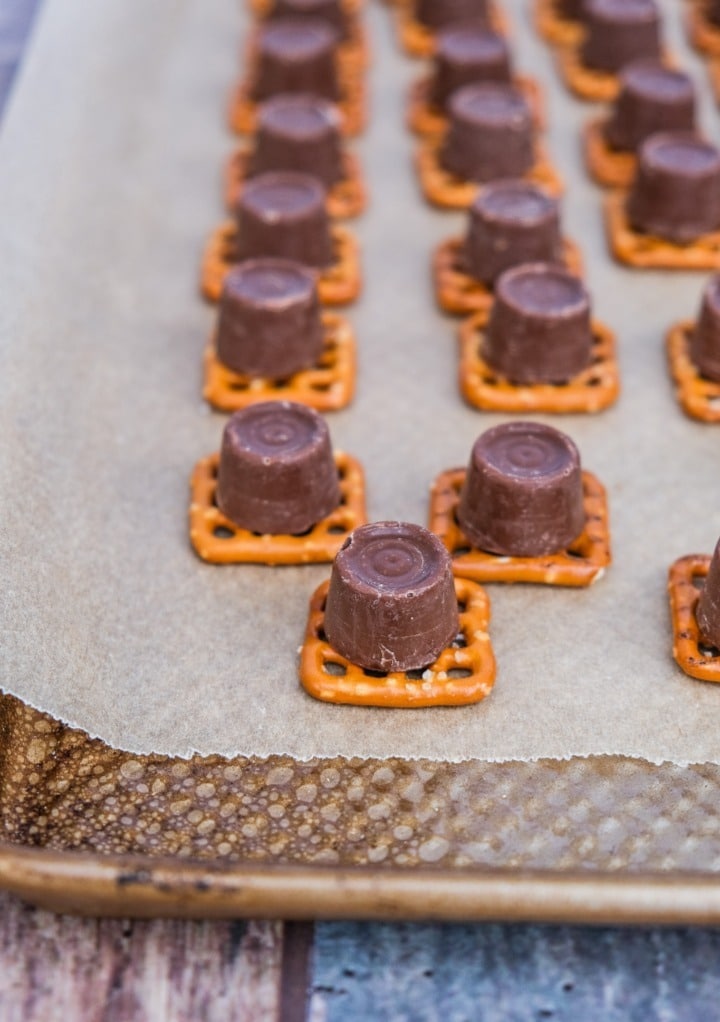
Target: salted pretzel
(612, 168)
(448, 191)
(583, 563)
(592, 390)
(457, 292)
(698, 396)
(218, 540)
(338, 284)
(463, 673)
(424, 119)
(689, 651)
(346, 198)
(647, 251)
(552, 27)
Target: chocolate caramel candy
(539, 326)
(277, 473)
(652, 98)
(296, 55)
(511, 222)
(490, 134)
(618, 31)
(523, 491)
(707, 612)
(283, 214)
(269, 319)
(331, 11)
(712, 12)
(298, 132)
(705, 337)
(436, 14)
(571, 10)
(464, 54)
(676, 192)
(391, 603)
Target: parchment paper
(110, 163)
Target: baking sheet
(110, 164)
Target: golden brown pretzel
(646, 251)
(554, 29)
(698, 396)
(609, 167)
(687, 643)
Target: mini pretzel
(552, 27)
(703, 35)
(689, 651)
(338, 284)
(242, 114)
(607, 166)
(345, 199)
(584, 82)
(457, 292)
(219, 540)
(327, 386)
(583, 562)
(419, 41)
(424, 119)
(592, 390)
(448, 191)
(650, 252)
(463, 673)
(698, 396)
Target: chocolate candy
(712, 12)
(652, 98)
(299, 132)
(539, 326)
(490, 133)
(296, 55)
(465, 54)
(277, 473)
(676, 192)
(523, 492)
(391, 603)
(331, 11)
(708, 605)
(436, 14)
(511, 222)
(283, 214)
(571, 10)
(269, 319)
(618, 31)
(705, 338)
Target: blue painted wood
(412, 973)
(16, 19)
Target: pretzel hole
(370, 673)
(222, 532)
(698, 582)
(459, 672)
(415, 674)
(462, 606)
(709, 652)
(334, 668)
(459, 642)
(460, 551)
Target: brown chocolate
(277, 473)
(571, 10)
(283, 214)
(652, 98)
(523, 491)
(511, 222)
(296, 55)
(269, 319)
(705, 337)
(708, 605)
(437, 14)
(331, 11)
(391, 603)
(490, 134)
(712, 11)
(619, 31)
(676, 192)
(539, 326)
(296, 131)
(467, 53)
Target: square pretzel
(346, 199)
(583, 563)
(448, 191)
(703, 35)
(647, 251)
(689, 651)
(457, 292)
(419, 41)
(592, 390)
(611, 168)
(698, 396)
(327, 386)
(553, 27)
(463, 673)
(338, 284)
(218, 540)
(424, 119)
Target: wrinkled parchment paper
(110, 166)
